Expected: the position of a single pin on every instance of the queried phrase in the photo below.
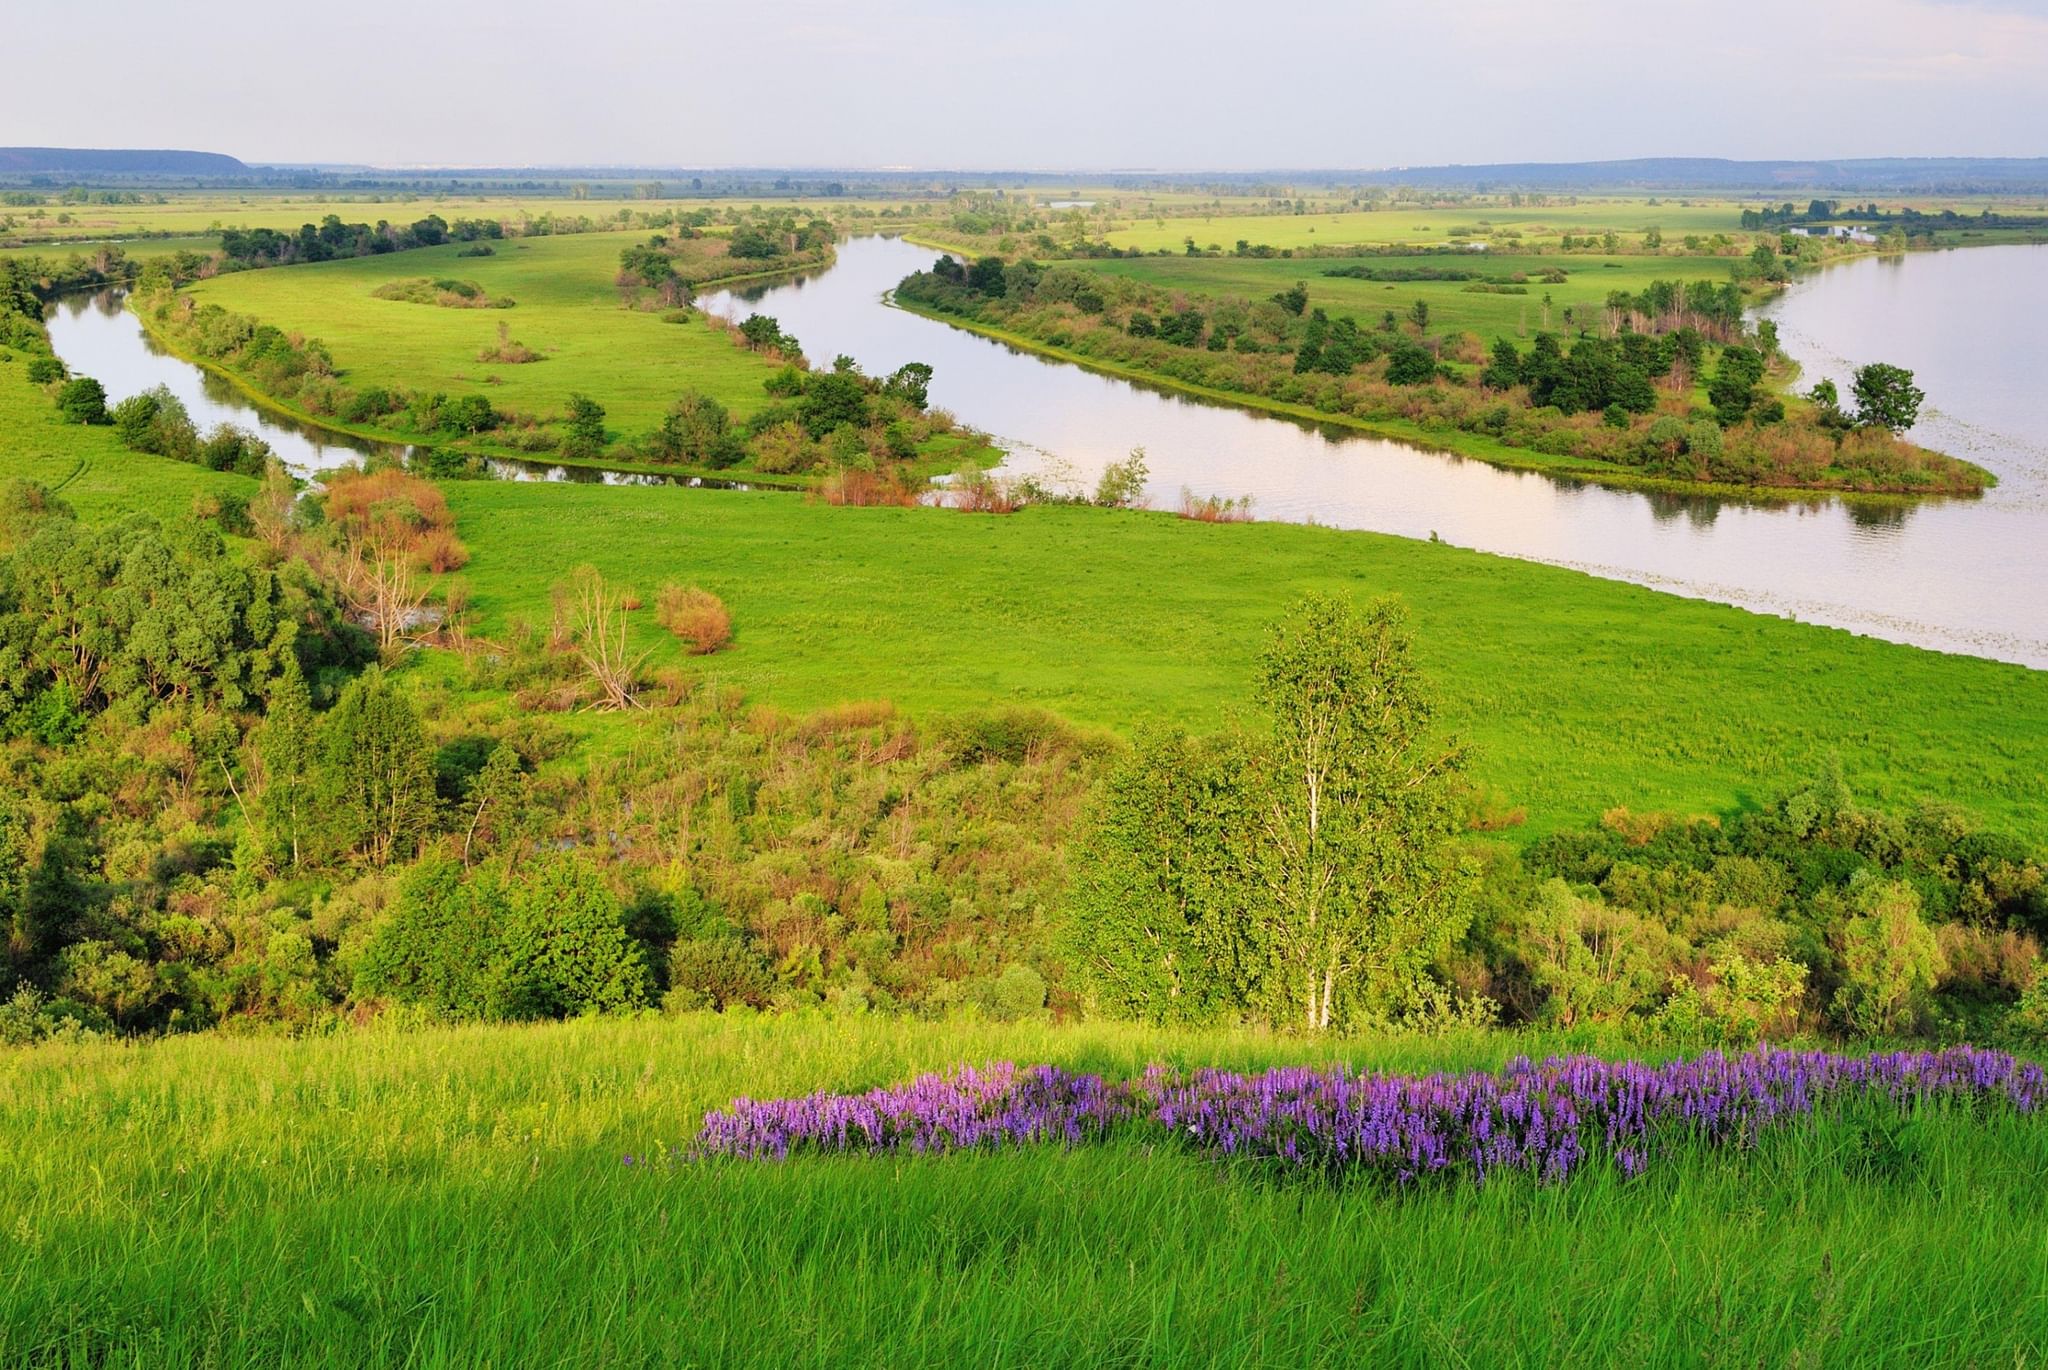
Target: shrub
(83, 400)
(45, 369)
(696, 616)
(1890, 960)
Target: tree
(375, 777)
(593, 617)
(1410, 364)
(1294, 299)
(1418, 314)
(83, 400)
(911, 383)
(1890, 960)
(566, 948)
(1355, 816)
(1887, 398)
(1504, 370)
(585, 421)
(1153, 920)
(288, 746)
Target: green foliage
(1122, 484)
(548, 941)
(375, 776)
(141, 615)
(1153, 919)
(83, 400)
(1890, 961)
(1887, 398)
(1305, 874)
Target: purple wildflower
(1547, 1119)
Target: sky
(1053, 85)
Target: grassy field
(88, 466)
(1431, 225)
(462, 1197)
(566, 307)
(207, 213)
(1452, 308)
(1580, 693)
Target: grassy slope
(461, 1197)
(566, 307)
(88, 466)
(1452, 308)
(1580, 693)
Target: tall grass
(463, 1197)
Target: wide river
(1957, 575)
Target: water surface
(1967, 575)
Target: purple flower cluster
(1547, 1119)
(1550, 1118)
(999, 1105)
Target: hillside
(72, 161)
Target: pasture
(509, 1195)
(1348, 227)
(1452, 307)
(207, 213)
(87, 466)
(566, 307)
(1579, 693)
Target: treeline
(1622, 395)
(332, 239)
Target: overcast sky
(1080, 84)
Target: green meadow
(463, 1196)
(566, 307)
(89, 467)
(1452, 307)
(1579, 693)
(1348, 227)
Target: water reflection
(97, 336)
(1961, 575)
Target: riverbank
(1449, 442)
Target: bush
(1890, 960)
(696, 616)
(83, 400)
(45, 369)
(717, 972)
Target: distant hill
(1924, 174)
(84, 161)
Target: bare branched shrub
(696, 616)
(383, 593)
(591, 617)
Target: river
(97, 336)
(1958, 575)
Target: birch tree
(1356, 815)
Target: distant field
(208, 214)
(1452, 308)
(566, 307)
(504, 1196)
(138, 248)
(1579, 693)
(1354, 227)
